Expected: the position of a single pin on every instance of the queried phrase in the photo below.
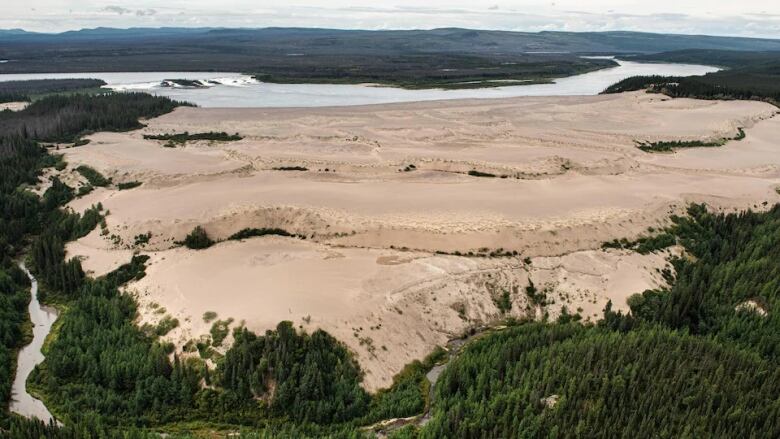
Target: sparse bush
(475, 173)
(208, 316)
(94, 177)
(219, 331)
(250, 233)
(198, 239)
(128, 185)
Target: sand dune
(572, 179)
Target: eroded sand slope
(387, 191)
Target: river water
(236, 90)
(43, 318)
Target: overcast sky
(759, 18)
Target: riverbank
(42, 318)
(234, 90)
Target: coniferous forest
(698, 359)
(747, 76)
(16, 91)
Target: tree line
(24, 91)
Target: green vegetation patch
(182, 138)
(26, 91)
(219, 331)
(142, 239)
(669, 146)
(209, 316)
(254, 232)
(128, 185)
(749, 76)
(94, 177)
(84, 190)
(735, 261)
(80, 114)
(290, 168)
(644, 244)
(198, 239)
(475, 173)
(569, 380)
(166, 325)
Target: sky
(751, 18)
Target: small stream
(43, 317)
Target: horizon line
(111, 28)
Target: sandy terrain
(375, 226)
(389, 307)
(13, 106)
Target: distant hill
(436, 40)
(450, 57)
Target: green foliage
(14, 91)
(503, 302)
(290, 168)
(751, 76)
(671, 145)
(94, 177)
(23, 215)
(475, 173)
(308, 378)
(84, 190)
(408, 395)
(67, 118)
(128, 185)
(102, 365)
(198, 239)
(182, 138)
(646, 383)
(142, 239)
(134, 270)
(644, 244)
(208, 316)
(254, 232)
(736, 259)
(219, 331)
(14, 296)
(166, 325)
(88, 429)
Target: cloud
(116, 10)
(402, 15)
(145, 12)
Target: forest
(18, 91)
(688, 361)
(748, 75)
(696, 359)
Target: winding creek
(43, 317)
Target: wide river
(236, 90)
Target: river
(236, 90)
(43, 318)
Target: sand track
(387, 190)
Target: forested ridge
(18, 91)
(748, 76)
(62, 118)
